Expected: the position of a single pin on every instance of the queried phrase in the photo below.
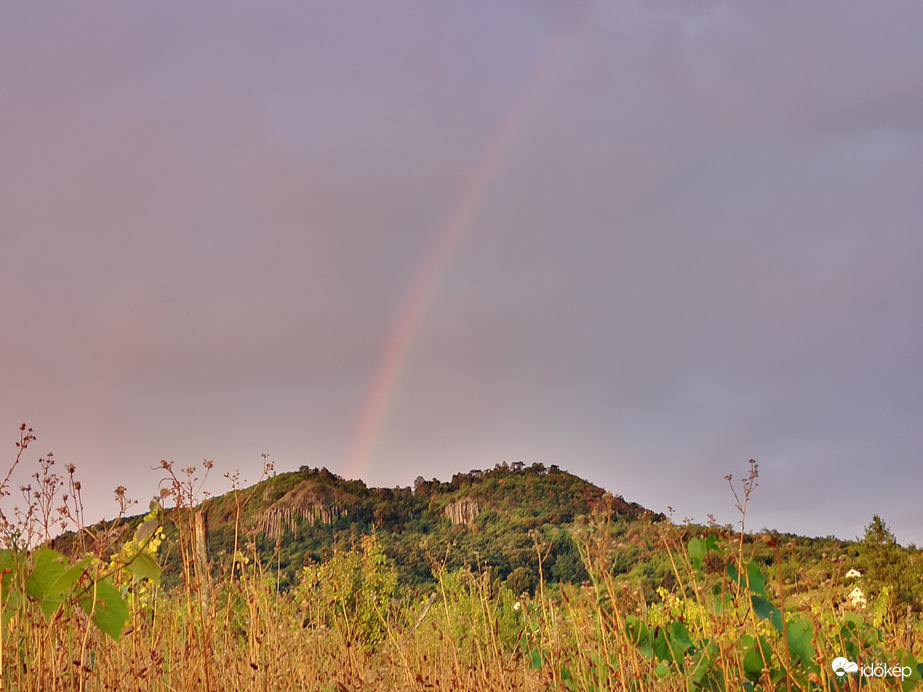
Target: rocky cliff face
(277, 520)
(463, 511)
(308, 502)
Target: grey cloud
(701, 247)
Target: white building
(856, 598)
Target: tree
(885, 563)
(522, 581)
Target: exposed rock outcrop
(277, 520)
(463, 511)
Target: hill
(516, 522)
(483, 519)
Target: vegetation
(523, 578)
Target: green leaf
(911, 681)
(51, 582)
(49, 607)
(762, 607)
(755, 579)
(646, 645)
(661, 644)
(696, 551)
(143, 565)
(775, 619)
(767, 611)
(753, 663)
(777, 675)
(799, 639)
(732, 572)
(44, 574)
(109, 611)
(704, 664)
(64, 584)
(6, 559)
(536, 657)
(680, 638)
(43, 555)
(6, 578)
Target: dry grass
(349, 626)
(249, 637)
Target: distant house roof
(853, 573)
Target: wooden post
(201, 557)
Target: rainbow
(446, 239)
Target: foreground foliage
(730, 612)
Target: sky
(643, 241)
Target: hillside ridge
(489, 518)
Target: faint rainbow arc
(446, 240)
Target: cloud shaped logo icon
(841, 666)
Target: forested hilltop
(506, 519)
(520, 524)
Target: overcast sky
(644, 241)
